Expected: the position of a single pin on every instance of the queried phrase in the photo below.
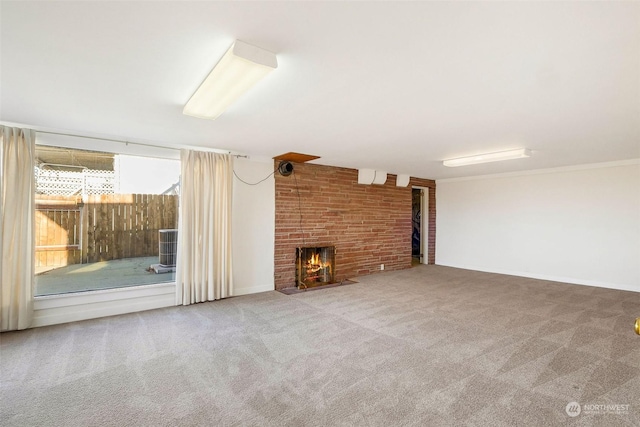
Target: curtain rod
(134, 143)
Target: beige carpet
(425, 346)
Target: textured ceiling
(392, 86)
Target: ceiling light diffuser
(237, 71)
(488, 157)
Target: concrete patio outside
(100, 275)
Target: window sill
(71, 307)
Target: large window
(104, 220)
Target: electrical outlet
(381, 266)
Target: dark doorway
(416, 215)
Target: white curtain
(17, 227)
(204, 269)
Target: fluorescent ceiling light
(489, 157)
(237, 71)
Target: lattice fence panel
(70, 183)
(99, 182)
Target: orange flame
(314, 263)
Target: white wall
(577, 225)
(253, 232)
(145, 175)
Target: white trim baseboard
(237, 291)
(571, 280)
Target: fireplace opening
(315, 266)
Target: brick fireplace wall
(368, 224)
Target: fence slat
(105, 227)
(117, 224)
(56, 241)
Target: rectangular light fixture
(488, 157)
(237, 71)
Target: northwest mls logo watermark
(574, 409)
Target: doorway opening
(419, 227)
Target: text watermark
(573, 409)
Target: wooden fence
(58, 231)
(102, 228)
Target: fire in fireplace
(315, 266)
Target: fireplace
(315, 266)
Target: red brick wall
(368, 224)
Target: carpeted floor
(424, 346)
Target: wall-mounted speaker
(402, 180)
(285, 168)
(371, 176)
